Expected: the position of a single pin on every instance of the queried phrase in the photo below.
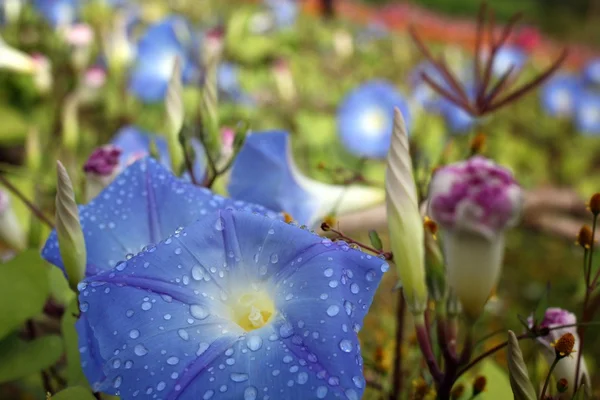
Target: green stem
(547, 382)
(400, 318)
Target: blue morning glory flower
(587, 113)
(559, 95)
(157, 50)
(58, 12)
(422, 93)
(507, 57)
(285, 12)
(234, 306)
(265, 173)
(366, 116)
(142, 206)
(229, 85)
(134, 144)
(457, 120)
(591, 72)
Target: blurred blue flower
(265, 173)
(285, 12)
(422, 93)
(157, 50)
(229, 85)
(134, 144)
(507, 57)
(58, 12)
(365, 118)
(457, 119)
(559, 95)
(587, 113)
(591, 72)
(233, 306)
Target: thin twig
(32, 207)
(386, 255)
(189, 165)
(478, 36)
(547, 382)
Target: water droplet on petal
(202, 347)
(239, 377)
(286, 330)
(220, 224)
(370, 275)
(208, 394)
(328, 272)
(333, 310)
(250, 393)
(346, 346)
(140, 350)
(274, 258)
(321, 392)
(197, 273)
(198, 311)
(117, 382)
(254, 343)
(173, 360)
(134, 334)
(358, 381)
(183, 334)
(302, 378)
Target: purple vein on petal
(153, 221)
(198, 365)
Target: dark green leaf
(75, 374)
(74, 393)
(23, 290)
(375, 240)
(19, 358)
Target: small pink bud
(103, 161)
(79, 35)
(95, 77)
(527, 38)
(475, 195)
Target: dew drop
(161, 386)
(146, 306)
(359, 382)
(202, 347)
(333, 284)
(250, 393)
(254, 343)
(239, 377)
(351, 394)
(370, 275)
(140, 350)
(302, 378)
(173, 360)
(333, 310)
(117, 382)
(84, 306)
(321, 392)
(328, 272)
(274, 258)
(208, 394)
(134, 334)
(183, 334)
(346, 346)
(198, 311)
(286, 330)
(219, 224)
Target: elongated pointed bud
(474, 202)
(212, 51)
(404, 219)
(15, 60)
(175, 117)
(520, 383)
(68, 229)
(11, 230)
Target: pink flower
(103, 161)
(95, 77)
(79, 35)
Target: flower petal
(144, 204)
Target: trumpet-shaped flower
(142, 206)
(157, 50)
(566, 367)
(559, 95)
(474, 202)
(265, 173)
(135, 144)
(365, 118)
(234, 306)
(587, 113)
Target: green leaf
(375, 240)
(582, 393)
(19, 358)
(74, 393)
(498, 384)
(522, 387)
(75, 374)
(23, 290)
